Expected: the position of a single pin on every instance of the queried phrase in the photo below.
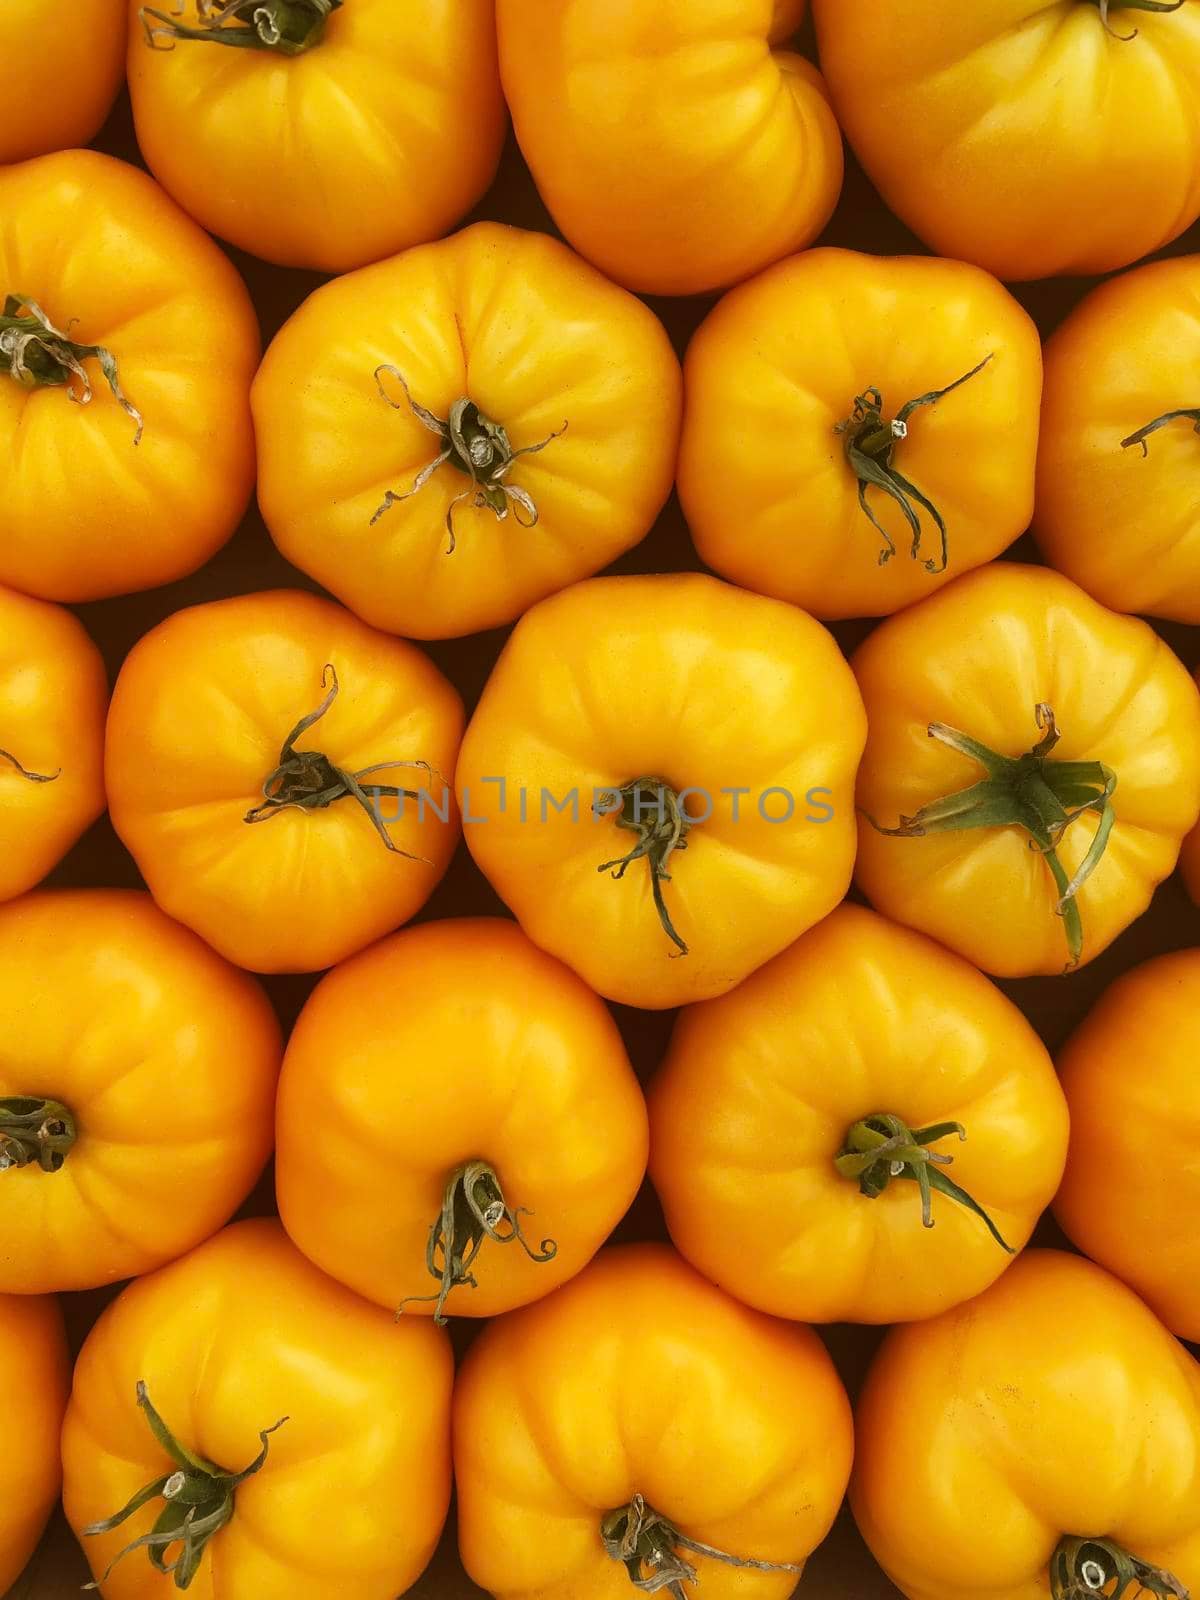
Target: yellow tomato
(860, 429)
(1032, 768)
(59, 73)
(318, 133)
(674, 146)
(1032, 136)
(1190, 861)
(784, 1110)
(1034, 1444)
(127, 346)
(280, 772)
(449, 436)
(53, 697)
(1118, 505)
(257, 1367)
(658, 780)
(137, 1089)
(481, 1096)
(637, 1424)
(37, 1375)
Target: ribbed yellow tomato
(449, 436)
(59, 73)
(640, 1425)
(37, 1375)
(674, 145)
(137, 1089)
(318, 133)
(1037, 1443)
(53, 698)
(127, 346)
(860, 429)
(469, 1092)
(692, 742)
(1032, 768)
(786, 1112)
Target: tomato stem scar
(649, 1548)
(285, 27)
(33, 777)
(38, 355)
(650, 808)
(34, 1130)
(1081, 1569)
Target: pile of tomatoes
(839, 854)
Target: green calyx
(306, 780)
(650, 808)
(870, 442)
(284, 27)
(651, 1550)
(1084, 1569)
(473, 445)
(199, 1502)
(1032, 792)
(37, 355)
(1188, 413)
(473, 1210)
(881, 1148)
(1105, 6)
(35, 1132)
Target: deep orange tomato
(59, 73)
(127, 346)
(318, 133)
(53, 698)
(37, 1376)
(339, 743)
(555, 397)
(481, 1096)
(674, 145)
(1032, 136)
(304, 1434)
(639, 1424)
(137, 1089)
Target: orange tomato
(53, 697)
(1038, 1443)
(1035, 137)
(59, 73)
(692, 742)
(37, 1375)
(307, 1435)
(1118, 505)
(127, 346)
(675, 147)
(494, 341)
(472, 1072)
(317, 133)
(1129, 1072)
(137, 1089)
(1032, 768)
(285, 711)
(640, 1419)
(907, 391)
(786, 1110)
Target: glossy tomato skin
(53, 698)
(199, 716)
(1123, 522)
(540, 342)
(1019, 134)
(235, 1336)
(784, 357)
(702, 687)
(379, 137)
(443, 1045)
(641, 1378)
(761, 1087)
(1056, 1404)
(673, 145)
(37, 1377)
(1129, 1071)
(166, 1058)
(59, 73)
(89, 513)
(979, 657)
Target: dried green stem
(1191, 413)
(650, 808)
(473, 445)
(37, 355)
(651, 1550)
(1083, 1569)
(35, 1132)
(283, 27)
(33, 777)
(1162, 7)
